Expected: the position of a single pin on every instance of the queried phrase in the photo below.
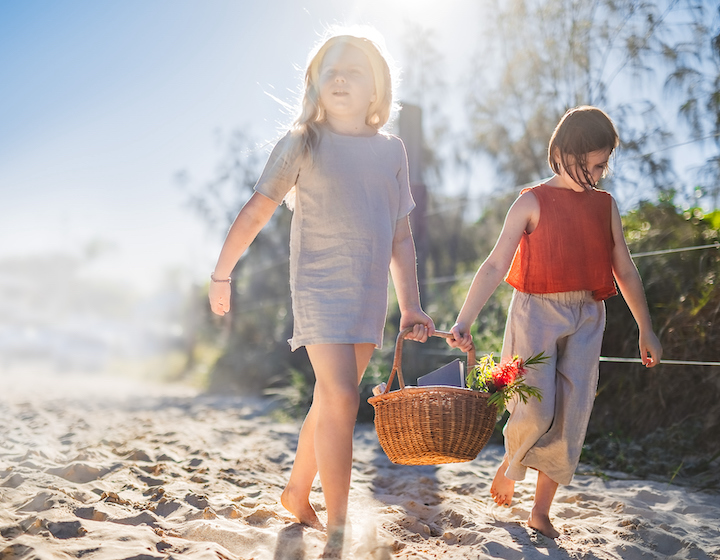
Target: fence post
(410, 130)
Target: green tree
(539, 58)
(456, 240)
(654, 421)
(695, 76)
(255, 354)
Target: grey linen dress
(347, 204)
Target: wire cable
(667, 362)
(715, 245)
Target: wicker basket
(431, 425)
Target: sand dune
(111, 469)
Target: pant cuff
(516, 472)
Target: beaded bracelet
(227, 280)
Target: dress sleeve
(281, 170)
(403, 177)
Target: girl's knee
(341, 397)
(349, 399)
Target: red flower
(506, 373)
(504, 381)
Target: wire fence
(716, 245)
(666, 362)
(454, 278)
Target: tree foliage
(684, 299)
(538, 58)
(256, 355)
(695, 76)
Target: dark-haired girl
(562, 249)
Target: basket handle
(397, 360)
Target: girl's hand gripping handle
(422, 325)
(461, 337)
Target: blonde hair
(305, 129)
(312, 114)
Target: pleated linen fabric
(347, 204)
(548, 435)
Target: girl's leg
(557, 452)
(540, 515)
(336, 392)
(334, 366)
(296, 496)
(528, 421)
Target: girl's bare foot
(502, 488)
(541, 522)
(335, 541)
(301, 509)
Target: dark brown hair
(581, 130)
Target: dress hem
(299, 343)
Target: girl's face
(346, 84)
(596, 163)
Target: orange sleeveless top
(571, 247)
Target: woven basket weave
(431, 425)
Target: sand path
(101, 468)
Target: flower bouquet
(504, 380)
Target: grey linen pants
(548, 435)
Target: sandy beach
(105, 468)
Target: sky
(103, 103)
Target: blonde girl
(348, 183)
(563, 245)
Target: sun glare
(434, 14)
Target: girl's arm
(630, 284)
(403, 268)
(248, 223)
(523, 215)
